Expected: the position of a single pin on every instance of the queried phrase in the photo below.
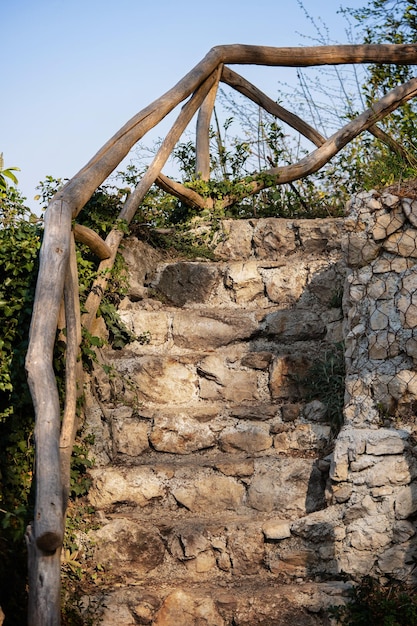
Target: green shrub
(373, 604)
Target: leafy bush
(20, 238)
(373, 604)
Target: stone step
(272, 262)
(152, 434)
(222, 487)
(203, 329)
(131, 545)
(260, 603)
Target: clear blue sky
(74, 71)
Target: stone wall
(221, 495)
(374, 466)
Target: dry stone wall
(222, 496)
(374, 466)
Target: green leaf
(10, 175)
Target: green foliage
(373, 604)
(20, 238)
(386, 21)
(82, 610)
(188, 244)
(100, 214)
(80, 481)
(325, 381)
(6, 174)
(233, 163)
(79, 570)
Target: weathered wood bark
(73, 371)
(315, 160)
(188, 196)
(82, 185)
(85, 235)
(136, 197)
(48, 525)
(341, 138)
(202, 143)
(187, 112)
(44, 602)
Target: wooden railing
(58, 283)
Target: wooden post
(44, 602)
(202, 143)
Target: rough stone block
(244, 280)
(154, 323)
(406, 501)
(236, 240)
(386, 441)
(402, 243)
(209, 493)
(181, 434)
(398, 560)
(183, 608)
(159, 378)
(275, 529)
(319, 235)
(247, 550)
(139, 485)
(246, 437)
(285, 285)
(211, 330)
(283, 376)
(294, 325)
(361, 250)
(130, 436)
(186, 282)
(219, 382)
(128, 547)
(369, 533)
(291, 486)
(273, 238)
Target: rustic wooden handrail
(57, 279)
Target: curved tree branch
(90, 238)
(392, 144)
(256, 95)
(190, 197)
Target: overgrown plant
(325, 381)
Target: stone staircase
(211, 467)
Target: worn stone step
(290, 484)
(249, 604)
(202, 329)
(131, 545)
